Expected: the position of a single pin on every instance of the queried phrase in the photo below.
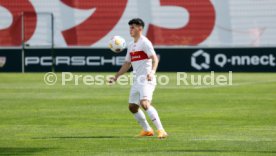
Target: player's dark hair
(137, 21)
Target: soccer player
(142, 57)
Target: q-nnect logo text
(223, 60)
(246, 60)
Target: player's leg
(138, 113)
(141, 119)
(146, 93)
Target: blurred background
(200, 35)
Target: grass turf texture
(36, 119)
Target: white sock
(155, 118)
(141, 118)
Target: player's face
(134, 30)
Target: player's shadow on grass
(91, 137)
(20, 150)
(85, 137)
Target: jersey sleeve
(148, 48)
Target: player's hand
(149, 77)
(112, 80)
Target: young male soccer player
(142, 57)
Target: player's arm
(152, 55)
(125, 67)
(155, 62)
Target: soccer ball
(117, 44)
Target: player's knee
(133, 108)
(145, 104)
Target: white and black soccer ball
(117, 44)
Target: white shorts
(141, 92)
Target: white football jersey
(138, 54)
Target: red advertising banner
(91, 23)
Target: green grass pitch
(36, 119)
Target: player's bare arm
(155, 62)
(125, 67)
